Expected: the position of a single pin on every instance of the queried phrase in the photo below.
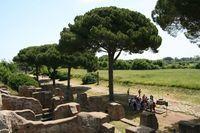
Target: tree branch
(118, 55)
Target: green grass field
(184, 78)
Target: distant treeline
(145, 64)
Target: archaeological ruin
(36, 110)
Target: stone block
(107, 128)
(92, 120)
(116, 111)
(55, 101)
(66, 110)
(149, 119)
(95, 103)
(58, 92)
(44, 97)
(189, 127)
(83, 100)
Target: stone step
(129, 122)
(47, 118)
(38, 117)
(46, 110)
(47, 114)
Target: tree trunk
(26, 69)
(68, 92)
(54, 74)
(37, 73)
(68, 77)
(110, 75)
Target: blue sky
(25, 23)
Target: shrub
(59, 75)
(44, 71)
(62, 76)
(197, 66)
(16, 80)
(4, 74)
(89, 78)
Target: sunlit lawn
(184, 78)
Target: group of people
(137, 102)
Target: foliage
(11, 76)
(89, 78)
(145, 64)
(10, 65)
(121, 65)
(112, 30)
(89, 61)
(16, 80)
(50, 57)
(197, 66)
(30, 56)
(179, 15)
(61, 75)
(4, 73)
(44, 70)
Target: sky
(25, 23)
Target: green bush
(4, 74)
(16, 80)
(89, 78)
(44, 71)
(59, 75)
(197, 66)
(62, 76)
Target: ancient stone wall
(27, 114)
(66, 110)
(27, 91)
(55, 101)
(82, 123)
(20, 103)
(44, 97)
(95, 103)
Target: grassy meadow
(183, 78)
